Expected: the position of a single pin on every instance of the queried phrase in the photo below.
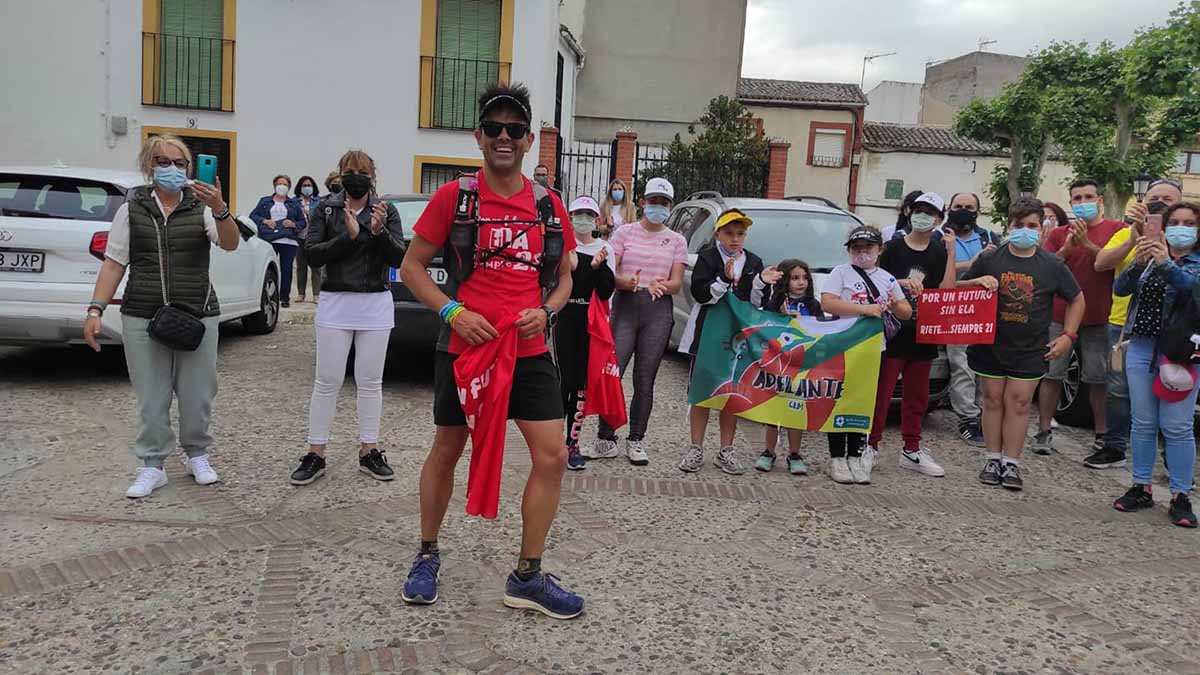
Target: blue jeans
(1116, 403)
(287, 260)
(1151, 415)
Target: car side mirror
(245, 230)
(692, 257)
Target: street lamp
(1141, 184)
(871, 57)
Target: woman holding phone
(194, 216)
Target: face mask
(1086, 210)
(542, 180)
(1047, 222)
(618, 195)
(1181, 236)
(962, 219)
(1023, 237)
(921, 222)
(656, 213)
(864, 260)
(306, 190)
(728, 253)
(356, 185)
(1157, 207)
(336, 188)
(170, 178)
(583, 223)
(281, 190)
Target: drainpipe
(109, 138)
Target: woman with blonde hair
(617, 208)
(163, 235)
(356, 238)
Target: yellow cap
(733, 216)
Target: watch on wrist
(94, 311)
(551, 316)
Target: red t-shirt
(500, 286)
(1097, 286)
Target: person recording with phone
(193, 216)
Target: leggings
(333, 348)
(845, 444)
(641, 327)
(571, 350)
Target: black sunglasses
(516, 130)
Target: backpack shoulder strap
(544, 204)
(467, 207)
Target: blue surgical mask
(1086, 210)
(1181, 236)
(1023, 237)
(656, 213)
(618, 195)
(921, 222)
(306, 190)
(170, 178)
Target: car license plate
(23, 261)
(438, 275)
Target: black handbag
(1178, 342)
(172, 325)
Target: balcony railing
(835, 162)
(184, 71)
(450, 89)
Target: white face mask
(921, 222)
(281, 190)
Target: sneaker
(921, 462)
(1105, 458)
(991, 472)
(765, 461)
(1098, 443)
(1135, 498)
(636, 453)
(575, 460)
(971, 433)
(693, 459)
(1181, 511)
(312, 467)
(1010, 477)
(421, 587)
(859, 470)
(869, 454)
(730, 461)
(839, 470)
(601, 449)
(797, 466)
(1043, 442)
(201, 470)
(375, 465)
(285, 304)
(148, 480)
(542, 593)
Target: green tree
(727, 154)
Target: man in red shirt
(1077, 244)
(504, 284)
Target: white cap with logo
(585, 203)
(659, 187)
(933, 199)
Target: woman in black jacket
(356, 238)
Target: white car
(54, 224)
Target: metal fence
(735, 177)
(188, 71)
(585, 168)
(454, 87)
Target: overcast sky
(826, 41)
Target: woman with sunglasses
(355, 239)
(616, 209)
(279, 221)
(307, 197)
(173, 221)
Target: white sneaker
(600, 449)
(869, 454)
(860, 470)
(921, 462)
(839, 470)
(636, 453)
(729, 460)
(201, 470)
(148, 480)
(693, 459)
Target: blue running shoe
(575, 459)
(421, 587)
(542, 593)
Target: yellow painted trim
(508, 13)
(429, 27)
(231, 136)
(150, 24)
(229, 32)
(419, 162)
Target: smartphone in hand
(206, 169)
(1153, 229)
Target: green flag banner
(798, 373)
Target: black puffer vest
(177, 249)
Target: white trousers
(333, 348)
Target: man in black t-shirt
(918, 262)
(1027, 278)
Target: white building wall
(311, 80)
(891, 101)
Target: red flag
(484, 375)
(604, 394)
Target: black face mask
(356, 185)
(1157, 207)
(336, 188)
(962, 219)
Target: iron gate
(585, 168)
(732, 177)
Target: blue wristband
(444, 312)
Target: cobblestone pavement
(703, 573)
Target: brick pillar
(626, 148)
(777, 156)
(548, 151)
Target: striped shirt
(653, 253)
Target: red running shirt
(502, 285)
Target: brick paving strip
(212, 499)
(276, 605)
